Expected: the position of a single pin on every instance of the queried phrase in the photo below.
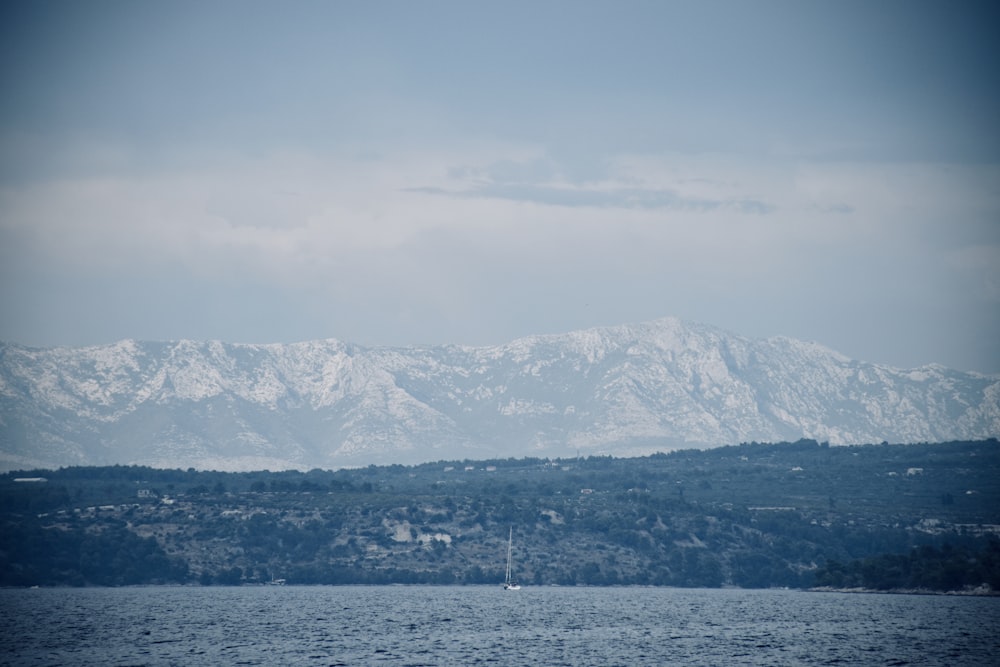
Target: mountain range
(623, 390)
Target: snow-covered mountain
(620, 390)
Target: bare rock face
(625, 390)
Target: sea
(485, 625)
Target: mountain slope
(617, 390)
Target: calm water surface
(397, 625)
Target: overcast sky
(405, 173)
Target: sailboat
(509, 584)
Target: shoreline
(979, 591)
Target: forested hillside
(755, 515)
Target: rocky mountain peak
(628, 389)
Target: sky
(410, 173)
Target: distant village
(753, 516)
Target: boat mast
(510, 545)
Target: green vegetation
(755, 515)
(926, 568)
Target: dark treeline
(948, 568)
(110, 556)
(754, 515)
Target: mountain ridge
(624, 390)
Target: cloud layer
(458, 173)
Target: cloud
(485, 243)
(598, 198)
(304, 215)
(616, 186)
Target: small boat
(509, 584)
